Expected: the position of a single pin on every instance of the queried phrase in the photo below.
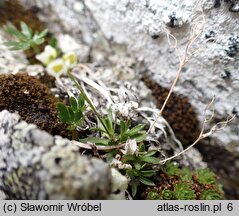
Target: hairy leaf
(13, 31)
(26, 30)
(151, 160)
(146, 181)
(148, 173)
(134, 189)
(96, 140)
(135, 129)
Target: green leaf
(14, 45)
(124, 126)
(96, 140)
(134, 189)
(139, 137)
(141, 147)
(54, 42)
(108, 122)
(98, 129)
(100, 125)
(71, 114)
(135, 129)
(148, 173)
(109, 125)
(43, 33)
(146, 181)
(129, 157)
(78, 116)
(26, 30)
(26, 39)
(150, 153)
(13, 31)
(151, 160)
(137, 165)
(110, 115)
(63, 113)
(73, 103)
(81, 101)
(38, 41)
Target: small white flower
(70, 59)
(130, 147)
(126, 109)
(56, 68)
(118, 164)
(49, 54)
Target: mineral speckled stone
(133, 23)
(36, 165)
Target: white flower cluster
(125, 109)
(118, 164)
(131, 147)
(56, 66)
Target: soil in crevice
(223, 163)
(30, 98)
(178, 112)
(182, 118)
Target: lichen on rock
(52, 169)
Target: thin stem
(35, 48)
(74, 135)
(173, 85)
(100, 148)
(88, 101)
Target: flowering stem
(89, 102)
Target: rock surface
(142, 26)
(36, 165)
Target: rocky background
(132, 36)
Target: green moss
(167, 194)
(183, 191)
(153, 195)
(205, 176)
(184, 184)
(210, 195)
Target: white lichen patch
(39, 166)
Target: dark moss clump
(178, 112)
(14, 12)
(31, 99)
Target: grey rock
(36, 165)
(142, 26)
